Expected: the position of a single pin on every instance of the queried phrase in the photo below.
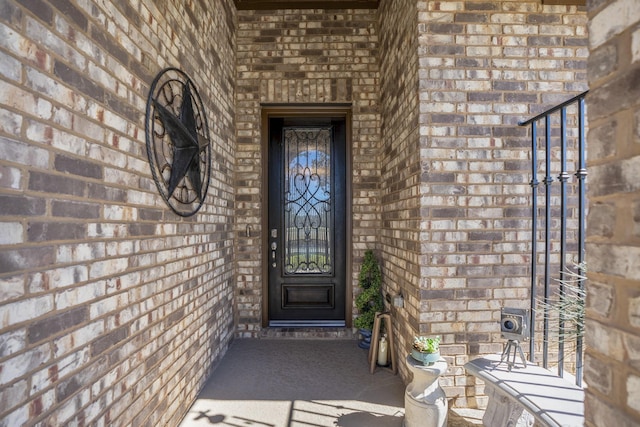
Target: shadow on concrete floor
(287, 383)
(310, 383)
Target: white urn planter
(425, 404)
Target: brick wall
(306, 57)
(483, 67)
(452, 171)
(400, 166)
(612, 366)
(112, 309)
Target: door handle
(274, 246)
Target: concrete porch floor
(295, 383)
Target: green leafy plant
(369, 301)
(426, 344)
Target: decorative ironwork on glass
(307, 200)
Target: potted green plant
(426, 349)
(369, 301)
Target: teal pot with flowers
(426, 349)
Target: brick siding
(483, 67)
(612, 371)
(303, 57)
(400, 166)
(448, 183)
(112, 309)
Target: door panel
(307, 227)
(301, 295)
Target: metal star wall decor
(178, 141)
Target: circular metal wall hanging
(178, 141)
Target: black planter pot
(365, 338)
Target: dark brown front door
(307, 224)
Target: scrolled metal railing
(557, 151)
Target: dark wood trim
(307, 107)
(305, 4)
(264, 156)
(565, 2)
(306, 110)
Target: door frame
(305, 110)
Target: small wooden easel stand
(375, 338)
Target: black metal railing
(563, 141)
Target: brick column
(612, 365)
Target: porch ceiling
(306, 4)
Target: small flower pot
(365, 338)
(425, 358)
